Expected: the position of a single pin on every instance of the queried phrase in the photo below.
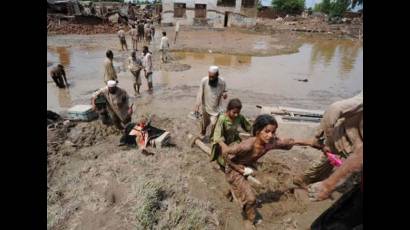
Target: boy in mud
(209, 98)
(240, 159)
(58, 74)
(226, 129)
(109, 71)
(135, 66)
(111, 103)
(142, 134)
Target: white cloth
(147, 62)
(111, 83)
(213, 69)
(177, 26)
(164, 43)
(247, 171)
(121, 33)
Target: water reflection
(323, 50)
(64, 98)
(216, 59)
(64, 55)
(346, 52)
(348, 58)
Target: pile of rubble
(316, 23)
(69, 26)
(85, 17)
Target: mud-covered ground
(92, 183)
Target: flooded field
(319, 73)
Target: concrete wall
(215, 15)
(240, 20)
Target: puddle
(260, 45)
(333, 69)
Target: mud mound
(87, 134)
(277, 199)
(64, 27)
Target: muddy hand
(318, 191)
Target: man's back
(164, 43)
(109, 71)
(55, 71)
(134, 33)
(141, 28)
(121, 33)
(147, 62)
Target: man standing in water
(135, 66)
(134, 37)
(109, 71)
(209, 98)
(123, 42)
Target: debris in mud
(89, 133)
(174, 67)
(302, 80)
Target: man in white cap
(113, 101)
(211, 91)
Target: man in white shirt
(164, 46)
(147, 63)
(211, 91)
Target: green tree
(339, 7)
(336, 7)
(289, 6)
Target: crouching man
(112, 105)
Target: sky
(308, 3)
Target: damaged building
(214, 13)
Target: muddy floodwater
(322, 71)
